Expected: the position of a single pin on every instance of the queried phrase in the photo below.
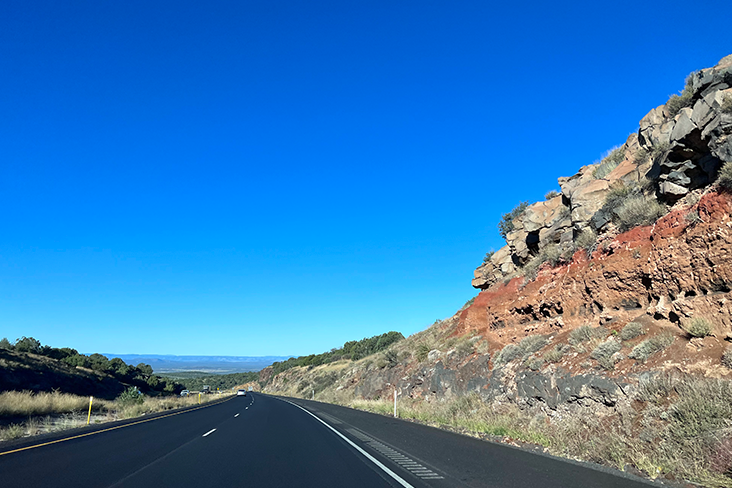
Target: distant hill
(168, 363)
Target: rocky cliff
(623, 277)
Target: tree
(28, 344)
(145, 368)
(6, 344)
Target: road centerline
(209, 432)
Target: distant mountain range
(168, 363)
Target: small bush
(631, 331)
(391, 357)
(422, 351)
(534, 364)
(586, 333)
(551, 194)
(587, 240)
(529, 345)
(464, 348)
(727, 105)
(698, 327)
(5, 344)
(555, 354)
(12, 431)
(488, 256)
(724, 179)
(651, 346)
(603, 353)
(506, 224)
(693, 218)
(131, 396)
(611, 161)
(639, 210)
(677, 102)
(727, 357)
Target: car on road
(185, 393)
(241, 393)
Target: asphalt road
(265, 441)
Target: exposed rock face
(675, 154)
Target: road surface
(264, 441)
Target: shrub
(391, 357)
(651, 346)
(693, 218)
(727, 104)
(5, 344)
(609, 162)
(724, 179)
(551, 194)
(552, 254)
(422, 351)
(603, 353)
(631, 331)
(535, 364)
(555, 354)
(586, 333)
(698, 327)
(528, 345)
(639, 210)
(727, 357)
(676, 102)
(131, 396)
(587, 240)
(506, 224)
(488, 256)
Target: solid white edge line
(209, 432)
(388, 471)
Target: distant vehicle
(206, 389)
(185, 393)
(251, 388)
(241, 393)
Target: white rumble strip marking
(235, 416)
(209, 432)
(403, 461)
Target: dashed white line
(209, 432)
(235, 416)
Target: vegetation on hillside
(140, 376)
(506, 224)
(215, 381)
(353, 350)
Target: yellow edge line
(111, 428)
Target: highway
(265, 441)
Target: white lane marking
(246, 408)
(209, 432)
(388, 471)
(235, 416)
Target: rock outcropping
(679, 148)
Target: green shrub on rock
(698, 327)
(724, 179)
(631, 331)
(651, 346)
(639, 210)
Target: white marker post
(395, 395)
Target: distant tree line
(353, 350)
(221, 381)
(140, 376)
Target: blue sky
(277, 177)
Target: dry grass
(680, 430)
(64, 411)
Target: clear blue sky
(277, 177)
